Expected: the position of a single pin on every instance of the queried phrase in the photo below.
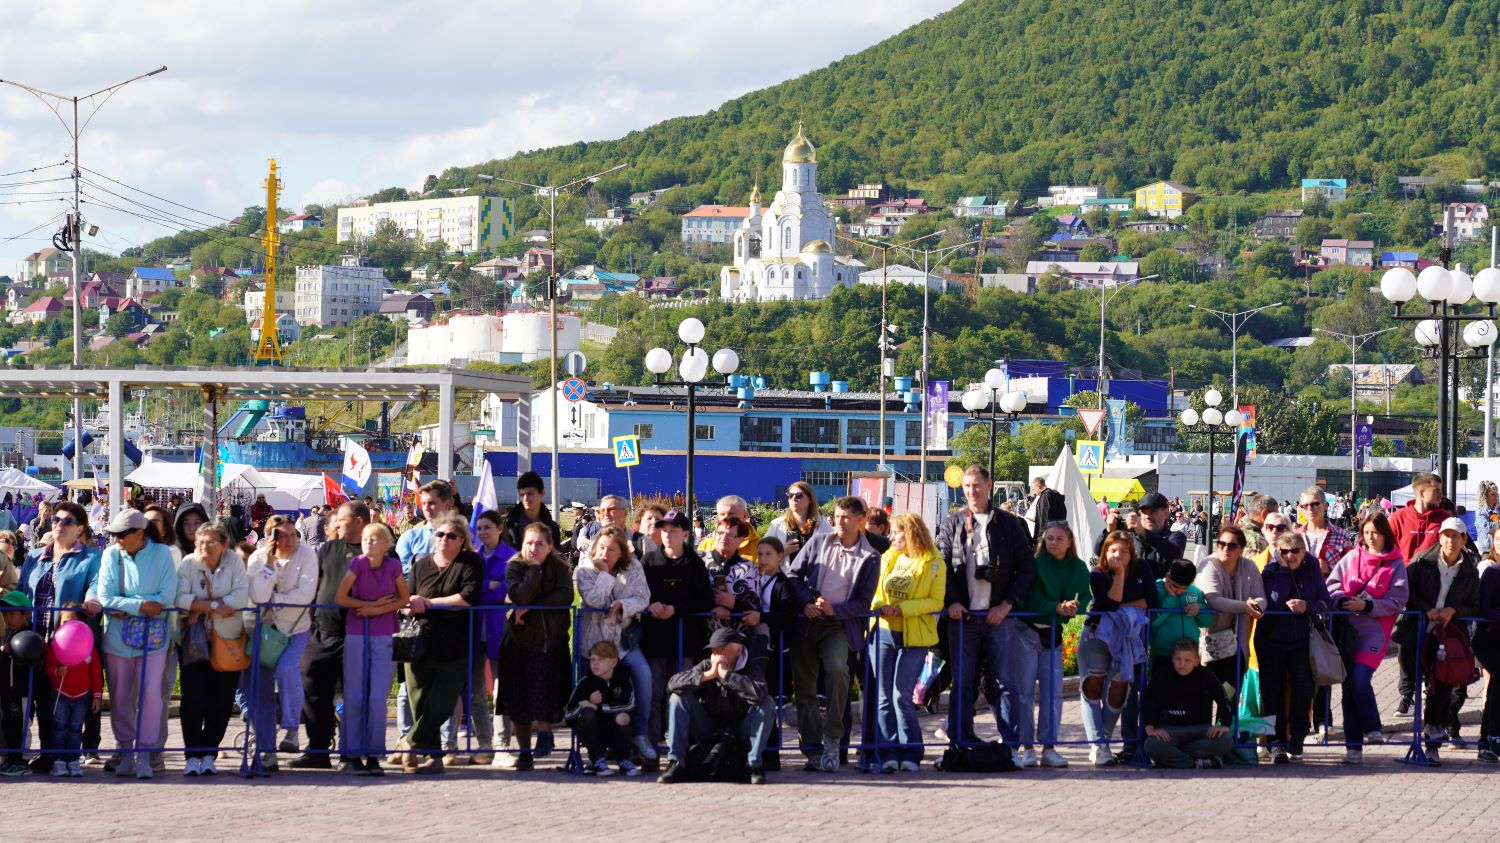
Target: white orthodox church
(786, 251)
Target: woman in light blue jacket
(137, 583)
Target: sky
(350, 101)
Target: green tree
(1275, 257)
(1311, 232)
(1094, 252)
(118, 325)
(1415, 225)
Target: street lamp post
(1437, 332)
(693, 369)
(1355, 341)
(1234, 322)
(552, 191)
(74, 240)
(1105, 294)
(987, 396)
(1213, 423)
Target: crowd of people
(668, 652)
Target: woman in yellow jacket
(908, 596)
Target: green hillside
(1002, 96)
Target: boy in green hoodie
(1176, 591)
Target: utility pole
(72, 238)
(1235, 321)
(1355, 341)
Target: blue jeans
(283, 682)
(68, 716)
(368, 671)
(969, 641)
(1039, 679)
(640, 678)
(895, 669)
(1099, 717)
(688, 721)
(1361, 713)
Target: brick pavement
(1319, 799)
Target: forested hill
(998, 96)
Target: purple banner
(937, 416)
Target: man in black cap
(722, 700)
(1154, 540)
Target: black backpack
(992, 757)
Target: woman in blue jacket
(1293, 584)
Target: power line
(33, 169)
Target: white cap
(1455, 525)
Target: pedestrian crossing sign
(627, 451)
(1090, 456)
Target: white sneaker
(1263, 754)
(1432, 757)
(910, 766)
(1050, 758)
(1028, 758)
(207, 768)
(59, 769)
(75, 769)
(830, 759)
(1435, 734)
(1375, 738)
(194, 767)
(1100, 756)
(144, 771)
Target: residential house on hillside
(978, 206)
(40, 310)
(413, 307)
(862, 196)
(254, 302)
(44, 262)
(213, 279)
(1281, 224)
(1471, 220)
(1333, 191)
(499, 269)
(647, 198)
(537, 236)
(1413, 186)
(1339, 252)
(1164, 199)
(298, 223)
(1374, 381)
(712, 223)
(146, 281)
(901, 274)
(16, 296)
(1067, 248)
(1071, 225)
(617, 282)
(1391, 260)
(536, 260)
(613, 218)
(132, 309)
(1153, 226)
(1062, 195)
(1113, 204)
(95, 292)
(287, 329)
(660, 287)
(1107, 273)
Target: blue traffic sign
(627, 451)
(574, 389)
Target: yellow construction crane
(269, 349)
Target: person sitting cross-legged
(1177, 710)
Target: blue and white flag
(356, 466)
(485, 497)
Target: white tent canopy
(1083, 513)
(284, 491)
(19, 483)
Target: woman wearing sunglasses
(802, 520)
(1233, 588)
(10, 573)
(1293, 584)
(65, 570)
(450, 577)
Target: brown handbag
(226, 655)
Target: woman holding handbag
(211, 589)
(283, 573)
(1370, 582)
(1293, 584)
(1233, 588)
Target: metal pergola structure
(247, 383)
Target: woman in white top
(283, 572)
(211, 587)
(801, 521)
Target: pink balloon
(73, 643)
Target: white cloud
(351, 98)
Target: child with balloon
(76, 677)
(20, 651)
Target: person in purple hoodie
(1293, 583)
(495, 554)
(1369, 581)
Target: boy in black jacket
(1178, 708)
(599, 712)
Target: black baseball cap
(1153, 500)
(724, 636)
(676, 517)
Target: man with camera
(1150, 528)
(990, 567)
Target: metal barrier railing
(1011, 703)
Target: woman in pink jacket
(1369, 581)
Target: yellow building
(1164, 199)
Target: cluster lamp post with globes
(1447, 293)
(693, 368)
(987, 396)
(1213, 423)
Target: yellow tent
(1116, 488)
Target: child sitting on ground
(76, 691)
(1177, 709)
(1176, 591)
(599, 712)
